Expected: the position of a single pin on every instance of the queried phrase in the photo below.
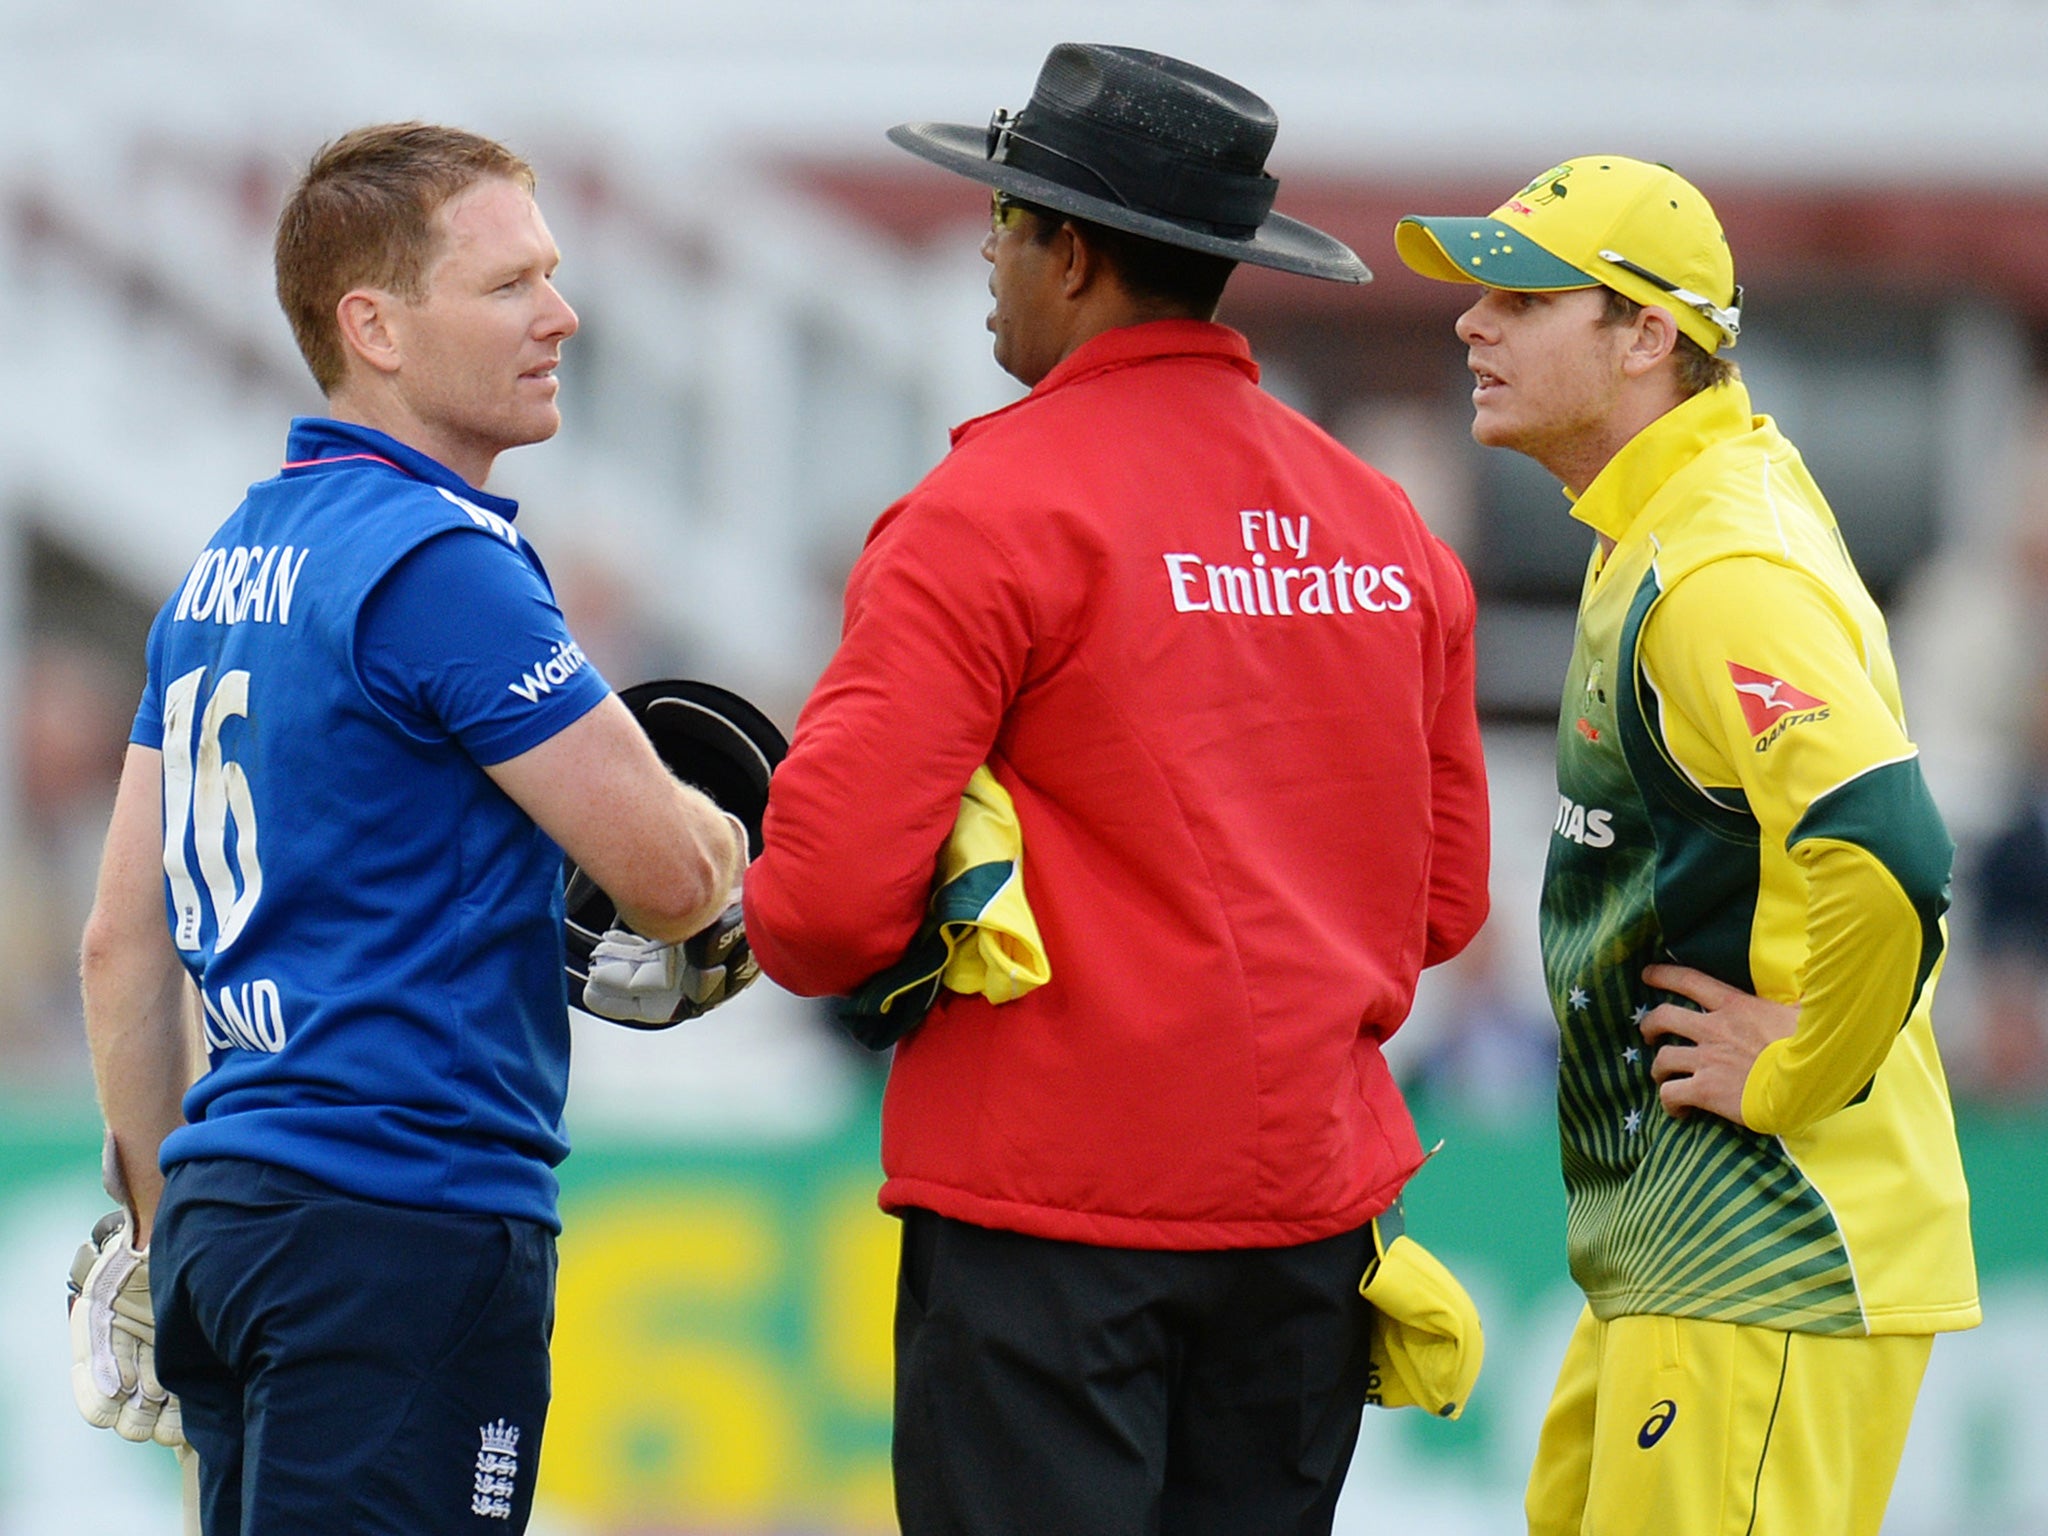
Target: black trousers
(1060, 1389)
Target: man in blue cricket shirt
(366, 741)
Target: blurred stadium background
(781, 316)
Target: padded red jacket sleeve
(1458, 806)
(937, 633)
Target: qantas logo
(1589, 828)
(1771, 706)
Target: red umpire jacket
(1226, 673)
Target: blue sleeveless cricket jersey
(374, 926)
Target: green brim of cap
(1484, 251)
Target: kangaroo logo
(1768, 701)
(1660, 1419)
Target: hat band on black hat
(1228, 203)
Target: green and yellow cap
(1600, 220)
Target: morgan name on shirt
(252, 584)
(246, 583)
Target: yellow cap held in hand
(1426, 1343)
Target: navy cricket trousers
(349, 1367)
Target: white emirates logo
(497, 1469)
(1284, 584)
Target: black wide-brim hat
(1147, 144)
(711, 739)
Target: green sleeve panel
(1707, 841)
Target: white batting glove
(650, 984)
(635, 980)
(113, 1339)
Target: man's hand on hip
(1703, 1058)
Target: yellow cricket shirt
(1737, 793)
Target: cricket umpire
(366, 740)
(1225, 675)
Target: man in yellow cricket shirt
(1742, 907)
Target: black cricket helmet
(711, 739)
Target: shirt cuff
(1756, 1088)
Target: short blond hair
(1698, 369)
(363, 216)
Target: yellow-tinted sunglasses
(1003, 210)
